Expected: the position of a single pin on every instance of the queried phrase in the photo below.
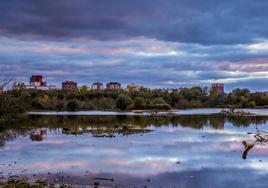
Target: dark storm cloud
(190, 21)
(158, 43)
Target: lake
(126, 150)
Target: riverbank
(197, 111)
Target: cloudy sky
(156, 43)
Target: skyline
(153, 43)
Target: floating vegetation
(74, 131)
(107, 131)
(233, 112)
(124, 130)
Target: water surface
(166, 151)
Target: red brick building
(70, 85)
(218, 88)
(37, 80)
(113, 85)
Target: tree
(138, 103)
(103, 103)
(159, 104)
(84, 90)
(122, 101)
(251, 104)
(72, 105)
(157, 101)
(7, 105)
(5, 83)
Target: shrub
(251, 104)
(72, 105)
(122, 101)
(138, 103)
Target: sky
(155, 43)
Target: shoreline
(195, 111)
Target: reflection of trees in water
(191, 121)
(217, 122)
(9, 132)
(246, 121)
(196, 122)
(111, 125)
(8, 135)
(2, 140)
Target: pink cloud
(252, 65)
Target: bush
(103, 103)
(72, 105)
(158, 104)
(158, 101)
(123, 101)
(138, 103)
(251, 104)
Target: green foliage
(21, 100)
(10, 105)
(138, 103)
(102, 103)
(122, 101)
(158, 101)
(158, 104)
(251, 104)
(72, 105)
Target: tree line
(20, 100)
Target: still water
(136, 151)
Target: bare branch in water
(248, 147)
(260, 136)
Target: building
(218, 88)
(70, 85)
(37, 81)
(97, 86)
(29, 87)
(113, 85)
(44, 88)
(133, 86)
